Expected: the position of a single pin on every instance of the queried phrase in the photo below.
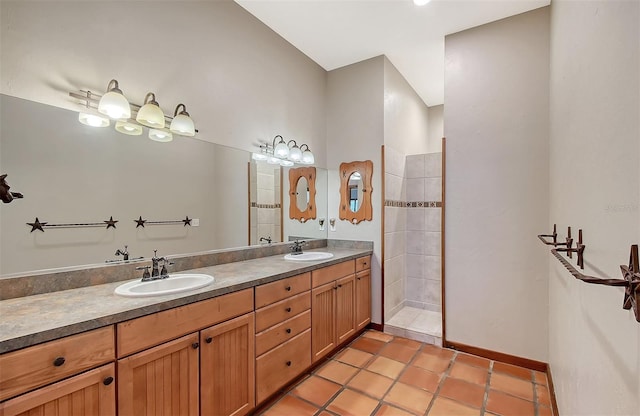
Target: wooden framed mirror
(355, 191)
(302, 194)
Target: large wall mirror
(70, 174)
(355, 191)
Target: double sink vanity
(221, 349)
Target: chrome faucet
(155, 260)
(267, 239)
(124, 254)
(296, 247)
(156, 272)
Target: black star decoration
(631, 274)
(187, 221)
(111, 223)
(140, 222)
(37, 225)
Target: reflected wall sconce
(132, 118)
(283, 153)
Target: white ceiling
(335, 33)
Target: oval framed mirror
(355, 191)
(302, 194)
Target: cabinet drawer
(285, 309)
(328, 274)
(280, 365)
(282, 332)
(141, 333)
(363, 263)
(275, 291)
(32, 367)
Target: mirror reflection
(355, 191)
(71, 173)
(302, 194)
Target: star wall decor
(37, 225)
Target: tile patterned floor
(379, 374)
(419, 324)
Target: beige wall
(355, 131)
(594, 345)
(436, 128)
(496, 123)
(240, 81)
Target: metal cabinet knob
(107, 381)
(195, 345)
(288, 288)
(288, 330)
(58, 361)
(208, 340)
(288, 363)
(288, 309)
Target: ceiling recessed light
(420, 2)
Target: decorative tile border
(256, 205)
(412, 204)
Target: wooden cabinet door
(345, 308)
(227, 367)
(160, 381)
(88, 394)
(323, 312)
(363, 299)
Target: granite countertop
(35, 319)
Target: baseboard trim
(499, 356)
(552, 391)
(376, 327)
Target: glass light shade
(281, 150)
(295, 154)
(285, 162)
(151, 115)
(160, 135)
(114, 105)
(93, 120)
(259, 156)
(183, 125)
(420, 2)
(128, 128)
(273, 160)
(308, 158)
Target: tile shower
(412, 253)
(265, 202)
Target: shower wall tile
(433, 165)
(265, 196)
(393, 187)
(265, 230)
(415, 219)
(433, 189)
(416, 266)
(415, 242)
(415, 167)
(394, 162)
(394, 244)
(432, 244)
(433, 267)
(265, 181)
(433, 219)
(415, 289)
(265, 216)
(276, 216)
(394, 270)
(416, 189)
(394, 295)
(393, 219)
(433, 292)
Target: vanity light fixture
(281, 149)
(272, 160)
(259, 156)
(286, 163)
(93, 120)
(150, 114)
(126, 127)
(295, 154)
(182, 122)
(284, 153)
(113, 103)
(307, 156)
(160, 135)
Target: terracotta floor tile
(431, 362)
(468, 373)
(398, 352)
(438, 351)
(353, 403)
(409, 398)
(446, 407)
(542, 393)
(541, 378)
(512, 370)
(409, 343)
(418, 377)
(514, 386)
(463, 392)
(290, 405)
(506, 405)
(544, 411)
(380, 336)
(336, 371)
(316, 390)
(386, 366)
(370, 383)
(386, 410)
(354, 357)
(369, 345)
(325, 413)
(473, 360)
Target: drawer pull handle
(288, 363)
(288, 330)
(58, 361)
(288, 288)
(288, 309)
(195, 345)
(339, 285)
(107, 381)
(364, 264)
(359, 278)
(208, 340)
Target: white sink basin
(309, 256)
(175, 283)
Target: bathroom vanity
(223, 349)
